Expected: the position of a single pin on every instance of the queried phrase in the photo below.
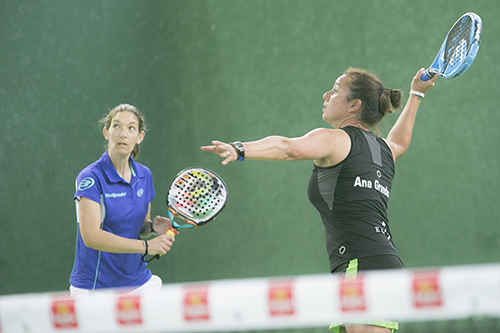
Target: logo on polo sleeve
(86, 183)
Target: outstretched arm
(399, 136)
(323, 146)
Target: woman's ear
(105, 133)
(355, 105)
(141, 137)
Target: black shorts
(351, 268)
(370, 263)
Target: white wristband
(417, 93)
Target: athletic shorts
(350, 270)
(370, 263)
(153, 284)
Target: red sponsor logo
(196, 304)
(281, 298)
(64, 314)
(128, 310)
(352, 295)
(427, 289)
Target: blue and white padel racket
(458, 50)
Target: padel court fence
(442, 299)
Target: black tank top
(352, 198)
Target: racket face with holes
(459, 48)
(197, 195)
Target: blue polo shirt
(123, 209)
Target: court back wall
(237, 70)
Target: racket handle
(427, 75)
(172, 231)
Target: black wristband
(146, 253)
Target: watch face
(240, 149)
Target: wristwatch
(240, 149)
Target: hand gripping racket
(197, 195)
(459, 48)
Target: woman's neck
(121, 164)
(353, 122)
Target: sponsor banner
(128, 310)
(196, 303)
(446, 293)
(427, 290)
(352, 295)
(64, 314)
(281, 298)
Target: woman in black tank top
(353, 171)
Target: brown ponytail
(389, 98)
(376, 101)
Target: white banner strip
(264, 303)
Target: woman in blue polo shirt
(113, 203)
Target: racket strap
(156, 256)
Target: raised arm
(323, 146)
(400, 135)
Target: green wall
(237, 70)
